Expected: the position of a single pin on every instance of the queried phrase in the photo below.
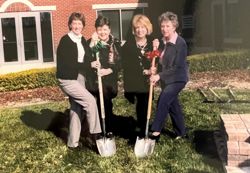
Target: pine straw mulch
(235, 79)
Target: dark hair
(76, 16)
(101, 21)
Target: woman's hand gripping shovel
(106, 145)
(145, 146)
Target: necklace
(142, 47)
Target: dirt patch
(26, 97)
(235, 79)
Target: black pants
(108, 95)
(141, 110)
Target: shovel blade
(144, 147)
(106, 146)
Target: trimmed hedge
(220, 61)
(28, 79)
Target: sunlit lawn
(31, 140)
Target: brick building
(31, 29)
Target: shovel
(145, 146)
(106, 145)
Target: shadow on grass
(56, 122)
(205, 145)
(124, 127)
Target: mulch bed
(236, 79)
(32, 95)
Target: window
(187, 22)
(46, 31)
(120, 16)
(26, 37)
(120, 21)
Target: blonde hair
(143, 20)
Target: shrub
(219, 61)
(28, 79)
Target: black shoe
(182, 137)
(153, 137)
(74, 148)
(96, 136)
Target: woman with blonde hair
(136, 67)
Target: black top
(134, 62)
(111, 79)
(68, 66)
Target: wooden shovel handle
(100, 88)
(150, 98)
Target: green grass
(29, 145)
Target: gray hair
(169, 16)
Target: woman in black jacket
(72, 65)
(109, 58)
(173, 76)
(136, 67)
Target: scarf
(78, 40)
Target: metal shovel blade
(144, 147)
(106, 146)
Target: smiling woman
(72, 65)
(109, 63)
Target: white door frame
(19, 35)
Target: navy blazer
(174, 66)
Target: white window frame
(19, 35)
(7, 3)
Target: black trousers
(141, 110)
(108, 95)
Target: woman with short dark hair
(72, 65)
(109, 63)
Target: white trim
(119, 6)
(7, 3)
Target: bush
(28, 79)
(219, 61)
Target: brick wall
(236, 127)
(63, 9)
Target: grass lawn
(33, 140)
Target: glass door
(29, 38)
(20, 37)
(9, 40)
